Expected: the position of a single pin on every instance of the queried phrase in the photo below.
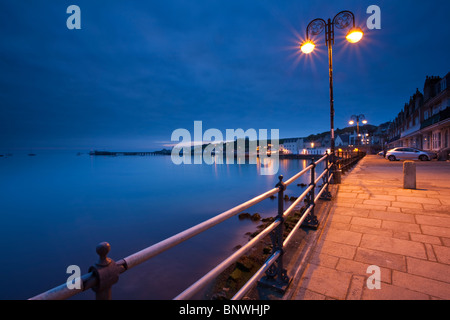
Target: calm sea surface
(55, 209)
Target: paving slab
(374, 223)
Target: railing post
(337, 161)
(326, 195)
(336, 167)
(311, 220)
(106, 271)
(277, 274)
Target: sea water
(56, 207)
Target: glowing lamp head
(354, 35)
(364, 122)
(307, 46)
(351, 122)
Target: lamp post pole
(330, 41)
(357, 119)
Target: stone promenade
(374, 221)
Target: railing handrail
(149, 252)
(90, 280)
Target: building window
(439, 140)
(436, 109)
(436, 140)
(446, 138)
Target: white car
(405, 153)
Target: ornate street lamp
(341, 21)
(357, 119)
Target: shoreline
(229, 282)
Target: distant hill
(348, 130)
(368, 128)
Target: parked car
(404, 153)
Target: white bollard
(409, 175)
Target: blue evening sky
(138, 70)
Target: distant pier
(168, 153)
(128, 153)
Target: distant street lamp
(357, 119)
(341, 21)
